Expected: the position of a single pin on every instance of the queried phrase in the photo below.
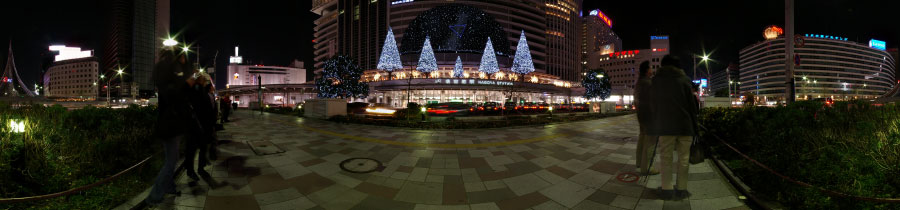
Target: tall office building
(598, 38)
(724, 79)
(563, 38)
(133, 35)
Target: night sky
(277, 32)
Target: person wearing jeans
(171, 77)
(673, 107)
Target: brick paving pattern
(560, 166)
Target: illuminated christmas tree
(522, 63)
(457, 68)
(341, 79)
(390, 56)
(427, 62)
(489, 59)
(596, 85)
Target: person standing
(646, 143)
(200, 138)
(225, 106)
(673, 108)
(174, 111)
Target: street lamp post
(118, 73)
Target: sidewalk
(564, 166)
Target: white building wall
(247, 75)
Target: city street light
(118, 73)
(170, 42)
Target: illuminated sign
(401, 2)
(69, 53)
(702, 82)
(473, 82)
(773, 32)
(877, 44)
(658, 37)
(826, 37)
(602, 16)
(630, 52)
(236, 58)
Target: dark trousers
(164, 180)
(225, 115)
(198, 143)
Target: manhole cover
(361, 165)
(264, 147)
(628, 177)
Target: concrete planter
(324, 108)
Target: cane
(646, 176)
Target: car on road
(448, 109)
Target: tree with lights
(596, 84)
(341, 79)
(458, 68)
(427, 62)
(390, 56)
(522, 63)
(489, 59)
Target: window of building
(356, 12)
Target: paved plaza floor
(581, 165)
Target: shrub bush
(62, 149)
(851, 147)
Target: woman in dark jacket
(200, 137)
(174, 118)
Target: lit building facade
(623, 67)
(563, 38)
(463, 35)
(72, 78)
(275, 85)
(598, 38)
(829, 67)
(358, 27)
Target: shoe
(682, 194)
(193, 176)
(665, 194)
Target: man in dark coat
(173, 121)
(674, 109)
(225, 106)
(646, 143)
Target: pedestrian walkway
(325, 165)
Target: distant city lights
(658, 37)
(69, 53)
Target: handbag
(697, 151)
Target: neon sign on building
(877, 44)
(602, 16)
(69, 53)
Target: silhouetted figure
(673, 107)
(646, 143)
(204, 109)
(174, 118)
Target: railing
(74, 190)
(804, 184)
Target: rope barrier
(826, 191)
(74, 190)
